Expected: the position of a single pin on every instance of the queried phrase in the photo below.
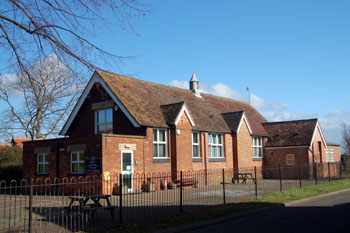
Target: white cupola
(194, 86)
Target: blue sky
(293, 55)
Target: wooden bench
(187, 182)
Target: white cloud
(330, 122)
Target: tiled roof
(145, 102)
(19, 141)
(290, 133)
(171, 111)
(233, 119)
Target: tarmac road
(329, 213)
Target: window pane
(162, 135)
(46, 158)
(40, 168)
(100, 116)
(74, 156)
(195, 137)
(210, 139)
(81, 156)
(155, 138)
(162, 150)
(219, 139)
(101, 129)
(40, 158)
(218, 151)
(195, 151)
(81, 167)
(260, 152)
(46, 168)
(74, 167)
(109, 115)
(155, 150)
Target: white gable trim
(318, 127)
(243, 118)
(184, 109)
(95, 79)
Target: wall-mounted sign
(93, 165)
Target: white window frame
(76, 162)
(97, 124)
(161, 143)
(216, 145)
(44, 163)
(327, 155)
(196, 144)
(259, 146)
(331, 155)
(287, 159)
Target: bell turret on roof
(194, 86)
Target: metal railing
(45, 205)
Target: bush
(10, 163)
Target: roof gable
(290, 133)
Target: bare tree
(38, 105)
(346, 138)
(34, 29)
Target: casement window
(77, 162)
(329, 155)
(216, 148)
(104, 121)
(160, 143)
(43, 164)
(196, 145)
(290, 159)
(257, 147)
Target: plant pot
(149, 187)
(116, 189)
(172, 186)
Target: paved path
(330, 213)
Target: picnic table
(244, 176)
(84, 205)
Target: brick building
(125, 125)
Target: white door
(128, 168)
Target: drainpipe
(57, 160)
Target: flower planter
(116, 189)
(172, 186)
(149, 187)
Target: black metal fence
(92, 203)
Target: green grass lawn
(229, 209)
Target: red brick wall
(184, 144)
(244, 149)
(277, 156)
(84, 123)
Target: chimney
(194, 86)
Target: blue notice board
(93, 165)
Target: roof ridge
(182, 89)
(292, 121)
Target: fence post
(256, 182)
(315, 173)
(30, 206)
(180, 191)
(223, 185)
(281, 188)
(340, 170)
(299, 175)
(120, 198)
(329, 173)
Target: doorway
(128, 169)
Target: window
(160, 143)
(77, 164)
(216, 149)
(104, 121)
(43, 164)
(196, 145)
(257, 147)
(329, 155)
(290, 159)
